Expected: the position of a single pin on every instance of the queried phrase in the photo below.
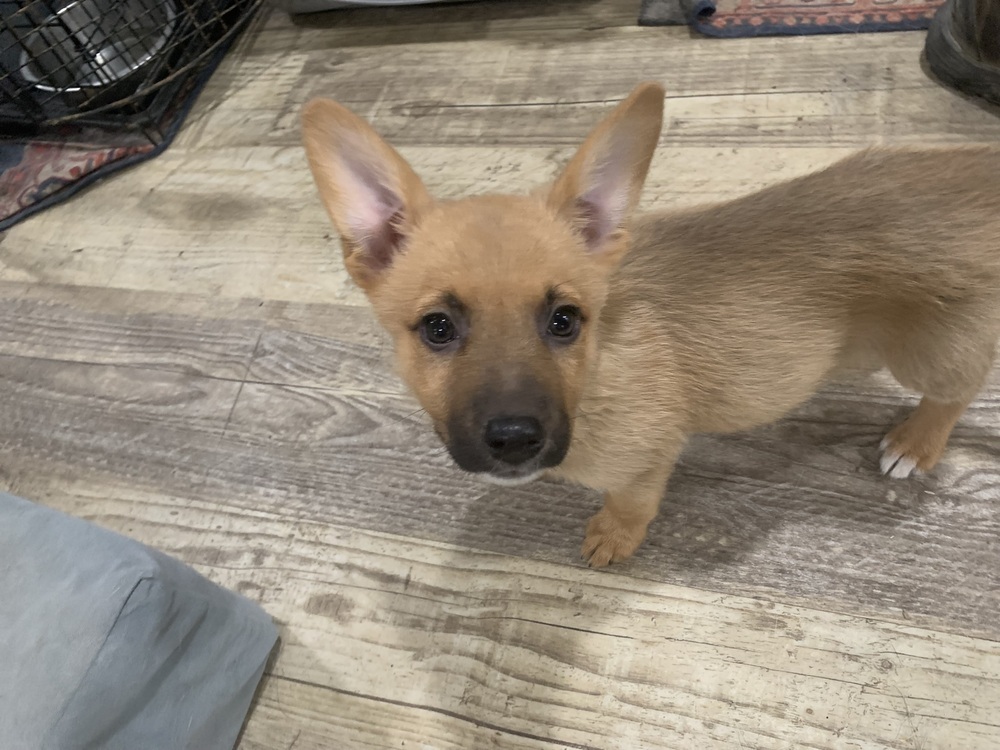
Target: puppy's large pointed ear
(602, 183)
(372, 195)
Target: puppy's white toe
(888, 461)
(896, 465)
(884, 444)
(903, 468)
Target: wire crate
(106, 64)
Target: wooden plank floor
(183, 360)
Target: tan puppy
(554, 332)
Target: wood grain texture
(184, 360)
(229, 210)
(390, 642)
(318, 428)
(191, 222)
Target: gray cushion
(106, 643)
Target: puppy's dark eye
(437, 330)
(564, 322)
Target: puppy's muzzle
(509, 433)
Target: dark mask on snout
(509, 427)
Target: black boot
(963, 47)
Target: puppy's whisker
(405, 417)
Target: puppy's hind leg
(947, 361)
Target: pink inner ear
(602, 207)
(372, 210)
(594, 224)
(380, 249)
(603, 201)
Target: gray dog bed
(106, 644)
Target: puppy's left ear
(601, 185)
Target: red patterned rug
(34, 174)
(745, 18)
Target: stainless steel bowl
(96, 47)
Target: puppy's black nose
(514, 440)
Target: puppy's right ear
(372, 195)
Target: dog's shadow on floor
(803, 486)
(812, 482)
(799, 511)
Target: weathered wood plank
(802, 118)
(304, 716)
(193, 223)
(237, 339)
(140, 401)
(790, 90)
(125, 328)
(209, 381)
(388, 640)
(230, 209)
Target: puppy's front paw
(916, 445)
(909, 450)
(896, 461)
(608, 540)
